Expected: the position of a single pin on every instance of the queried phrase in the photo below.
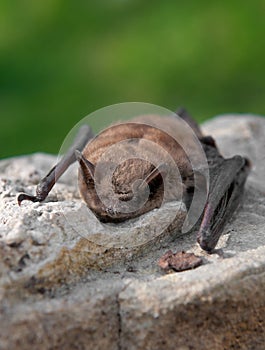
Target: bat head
(133, 188)
(130, 171)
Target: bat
(130, 168)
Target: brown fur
(151, 137)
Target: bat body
(131, 168)
(136, 145)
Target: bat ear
(87, 168)
(155, 178)
(208, 140)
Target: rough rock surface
(66, 281)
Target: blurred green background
(61, 60)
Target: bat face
(120, 197)
(130, 169)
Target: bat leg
(227, 180)
(46, 184)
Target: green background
(61, 60)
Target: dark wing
(227, 180)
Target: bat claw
(24, 196)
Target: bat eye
(154, 180)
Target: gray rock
(61, 238)
(67, 281)
(218, 306)
(244, 135)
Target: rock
(67, 281)
(217, 306)
(82, 317)
(61, 236)
(244, 135)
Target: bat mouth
(112, 216)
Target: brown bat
(114, 179)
